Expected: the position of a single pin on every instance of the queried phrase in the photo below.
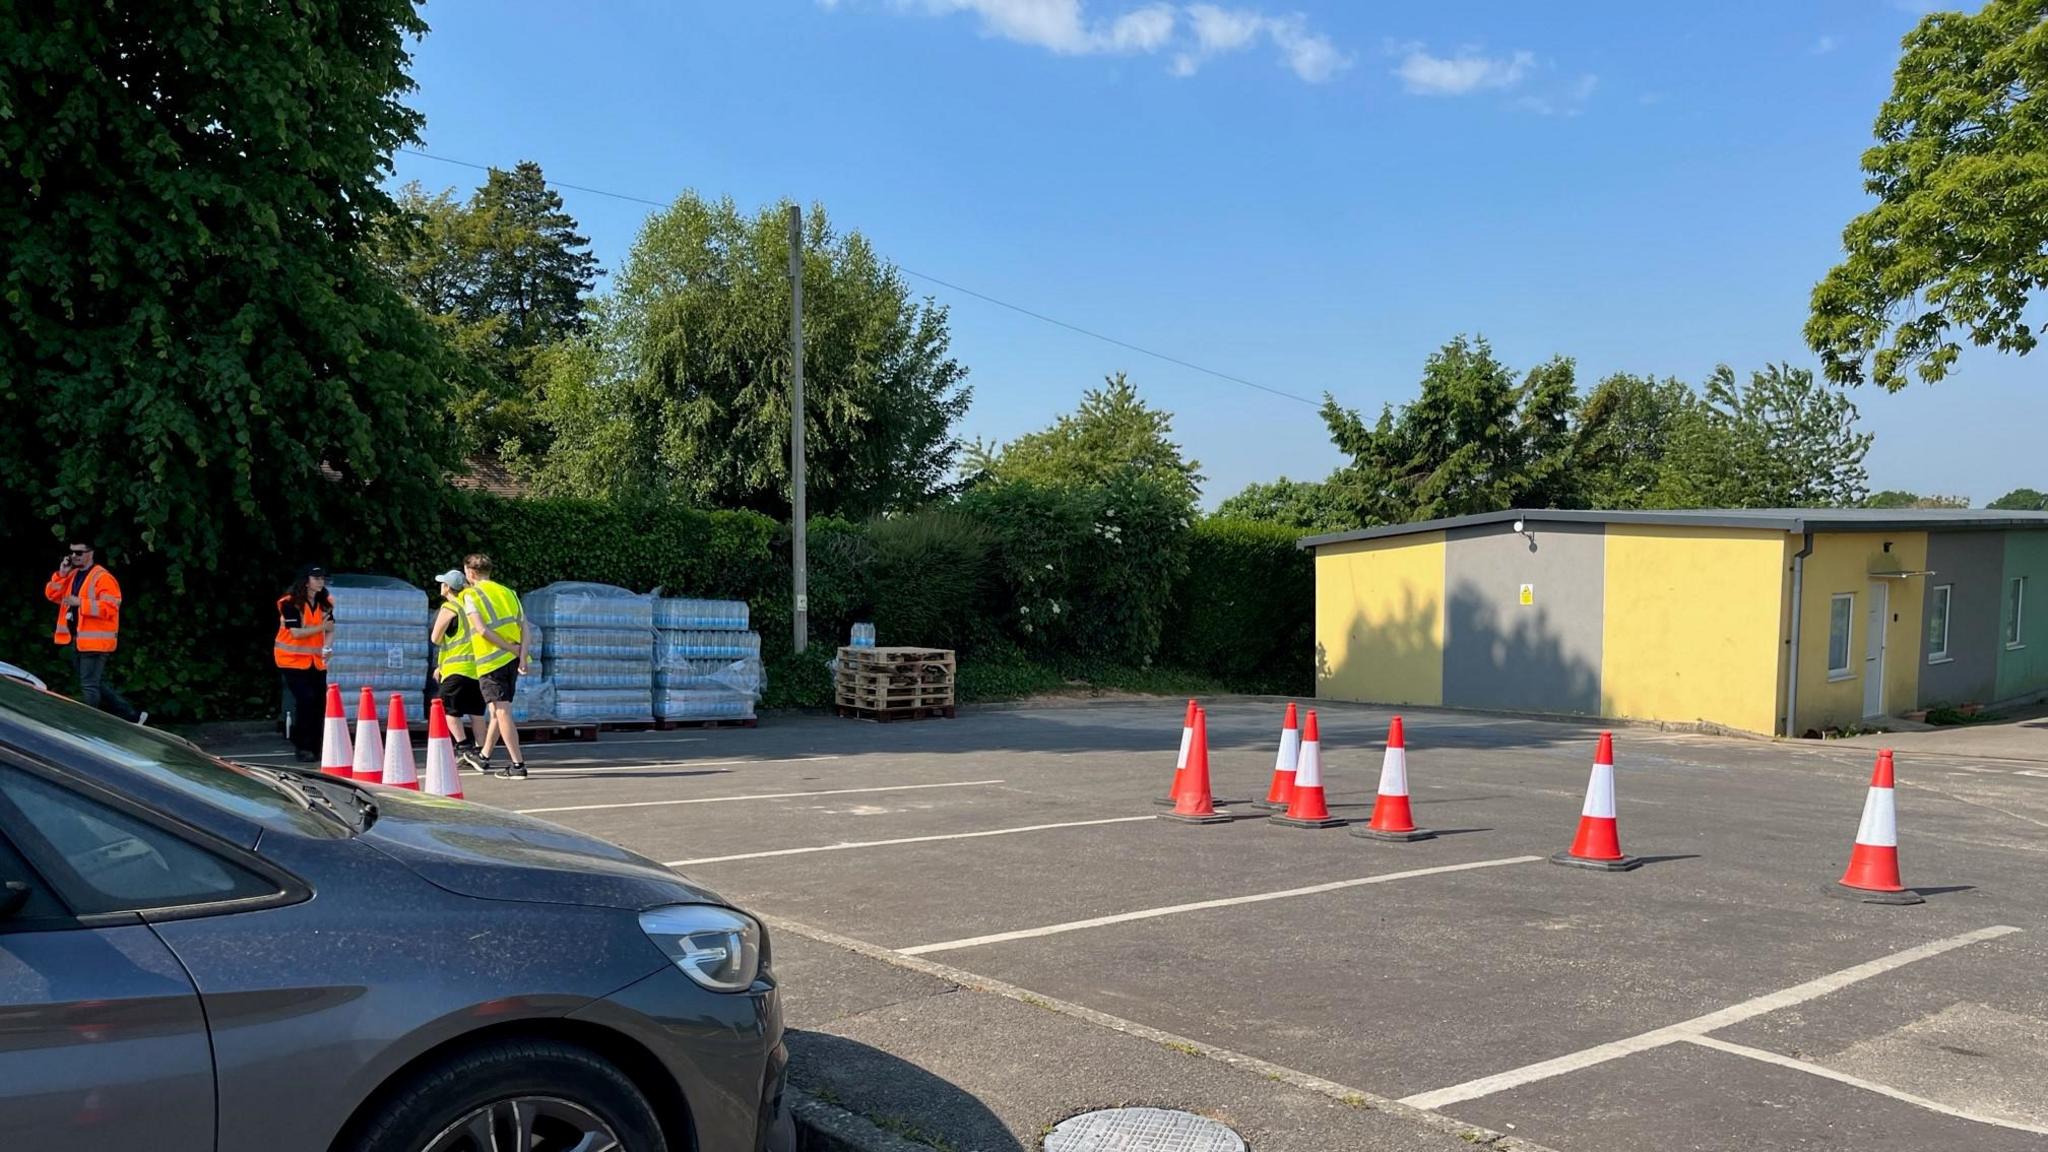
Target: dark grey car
(200, 956)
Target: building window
(1841, 617)
(1937, 623)
(2015, 609)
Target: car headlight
(717, 947)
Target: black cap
(314, 570)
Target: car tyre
(427, 1112)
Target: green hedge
(1037, 585)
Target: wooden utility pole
(799, 561)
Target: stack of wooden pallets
(895, 683)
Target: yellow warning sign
(1528, 594)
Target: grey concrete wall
(1539, 657)
(1974, 562)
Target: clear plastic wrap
(534, 702)
(604, 705)
(573, 604)
(380, 636)
(677, 614)
(607, 644)
(581, 674)
(703, 704)
(746, 676)
(675, 648)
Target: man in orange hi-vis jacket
(88, 601)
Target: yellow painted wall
(1692, 626)
(1380, 620)
(1843, 562)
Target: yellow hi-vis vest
(457, 656)
(498, 609)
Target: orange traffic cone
(1305, 807)
(1284, 761)
(369, 757)
(336, 752)
(1598, 844)
(1180, 764)
(441, 777)
(1391, 817)
(400, 769)
(1873, 875)
(1192, 803)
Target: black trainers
(511, 772)
(467, 758)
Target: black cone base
(1368, 832)
(1625, 864)
(1863, 896)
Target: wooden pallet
(886, 715)
(905, 696)
(709, 722)
(871, 657)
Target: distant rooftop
(1774, 519)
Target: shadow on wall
(1396, 659)
(894, 1094)
(1532, 664)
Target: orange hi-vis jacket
(299, 651)
(99, 609)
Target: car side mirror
(13, 894)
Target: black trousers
(93, 688)
(308, 687)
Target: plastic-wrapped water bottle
(863, 636)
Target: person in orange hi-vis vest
(305, 633)
(88, 601)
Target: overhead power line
(965, 291)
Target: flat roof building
(1772, 621)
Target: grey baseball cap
(453, 578)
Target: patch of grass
(1038, 1002)
(1946, 716)
(897, 1126)
(1184, 1049)
(1354, 1100)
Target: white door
(1873, 648)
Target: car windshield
(176, 763)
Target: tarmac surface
(982, 928)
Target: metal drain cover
(1142, 1130)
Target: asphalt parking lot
(983, 928)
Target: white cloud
(1570, 101)
(1824, 45)
(1462, 74)
(1312, 56)
(1194, 34)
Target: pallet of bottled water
(380, 636)
(534, 703)
(678, 614)
(703, 704)
(707, 663)
(597, 649)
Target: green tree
(1958, 240)
(683, 388)
(198, 358)
(1786, 440)
(1624, 428)
(506, 277)
(1307, 506)
(1899, 498)
(1473, 441)
(1112, 431)
(2021, 500)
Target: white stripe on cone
(1288, 759)
(1308, 767)
(337, 752)
(441, 777)
(1880, 827)
(1187, 739)
(400, 769)
(369, 757)
(1600, 793)
(1394, 773)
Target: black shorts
(500, 684)
(460, 696)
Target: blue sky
(1311, 196)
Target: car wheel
(517, 1096)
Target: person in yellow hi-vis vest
(498, 638)
(454, 672)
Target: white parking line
(752, 796)
(1202, 905)
(904, 839)
(1782, 1061)
(587, 769)
(1698, 1025)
